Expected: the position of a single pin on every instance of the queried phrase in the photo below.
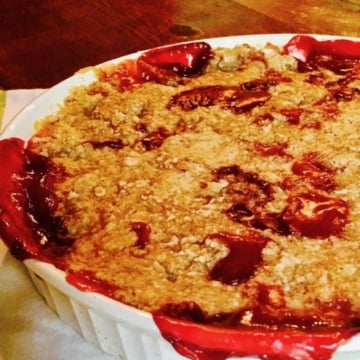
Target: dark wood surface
(45, 41)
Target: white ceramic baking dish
(118, 329)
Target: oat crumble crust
(172, 187)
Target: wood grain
(43, 42)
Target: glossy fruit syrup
(27, 202)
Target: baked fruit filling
(216, 188)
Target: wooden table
(43, 42)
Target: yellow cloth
(2, 104)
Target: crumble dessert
(221, 189)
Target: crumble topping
(208, 188)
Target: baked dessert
(212, 185)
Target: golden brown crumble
(130, 157)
